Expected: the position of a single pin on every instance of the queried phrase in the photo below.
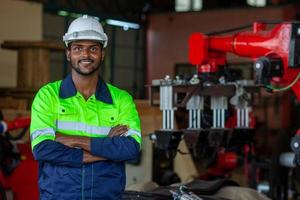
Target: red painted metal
(226, 162)
(23, 181)
(17, 123)
(210, 51)
(231, 122)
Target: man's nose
(85, 52)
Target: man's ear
(102, 56)
(68, 55)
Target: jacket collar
(68, 89)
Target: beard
(76, 67)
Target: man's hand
(119, 130)
(69, 141)
(73, 141)
(89, 158)
(84, 142)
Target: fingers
(118, 130)
(89, 158)
(68, 141)
(59, 139)
(63, 140)
(57, 135)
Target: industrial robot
(221, 124)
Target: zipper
(92, 181)
(82, 183)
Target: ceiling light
(257, 3)
(63, 13)
(125, 25)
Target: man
(82, 129)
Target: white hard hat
(85, 28)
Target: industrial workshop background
(148, 40)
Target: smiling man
(83, 129)
(85, 56)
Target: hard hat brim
(85, 35)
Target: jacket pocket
(67, 113)
(108, 117)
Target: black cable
(241, 27)
(2, 192)
(229, 30)
(17, 137)
(182, 152)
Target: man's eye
(94, 49)
(76, 49)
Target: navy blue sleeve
(115, 148)
(57, 153)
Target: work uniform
(59, 108)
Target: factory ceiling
(134, 10)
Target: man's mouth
(86, 61)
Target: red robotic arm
(21, 122)
(275, 52)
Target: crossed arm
(84, 143)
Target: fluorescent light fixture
(188, 5)
(197, 5)
(257, 3)
(182, 5)
(125, 25)
(63, 13)
(66, 14)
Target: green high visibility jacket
(59, 108)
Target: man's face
(85, 56)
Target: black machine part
(295, 146)
(294, 52)
(265, 68)
(167, 140)
(204, 189)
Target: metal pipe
(223, 118)
(168, 119)
(194, 119)
(214, 118)
(238, 118)
(243, 117)
(219, 118)
(199, 118)
(190, 118)
(172, 119)
(247, 117)
(164, 119)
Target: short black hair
(100, 42)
